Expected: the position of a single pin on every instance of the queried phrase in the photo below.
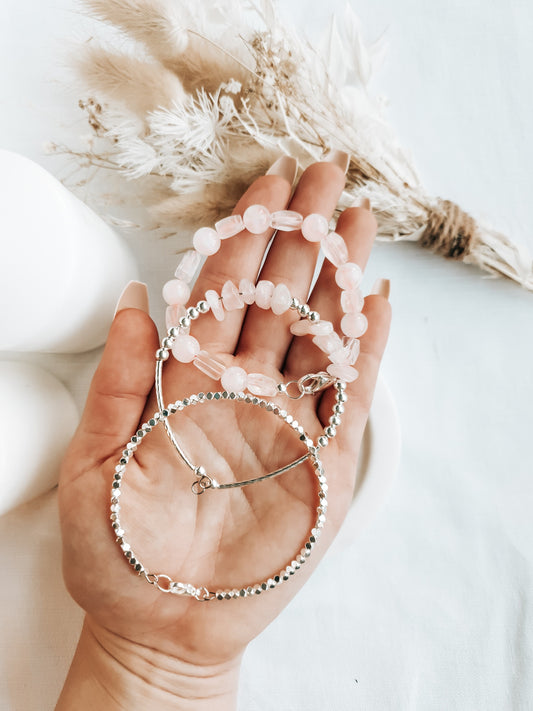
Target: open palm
(223, 538)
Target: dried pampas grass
(217, 91)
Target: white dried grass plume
(254, 89)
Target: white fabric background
(431, 608)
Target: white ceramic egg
(37, 420)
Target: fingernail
(363, 202)
(381, 287)
(339, 158)
(134, 296)
(286, 167)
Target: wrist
(111, 672)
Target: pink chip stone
(209, 365)
(173, 315)
(176, 291)
(185, 348)
(348, 276)
(256, 219)
(286, 220)
(229, 226)
(247, 291)
(348, 354)
(215, 305)
(352, 301)
(344, 372)
(281, 299)
(231, 298)
(206, 241)
(259, 384)
(329, 343)
(188, 266)
(354, 325)
(234, 379)
(314, 227)
(335, 249)
(300, 328)
(320, 328)
(263, 293)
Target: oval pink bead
(300, 328)
(344, 372)
(229, 226)
(215, 304)
(206, 241)
(335, 249)
(281, 299)
(173, 314)
(354, 325)
(259, 384)
(329, 343)
(208, 365)
(188, 266)
(263, 293)
(286, 220)
(176, 291)
(256, 219)
(185, 348)
(234, 379)
(352, 301)
(231, 298)
(348, 276)
(247, 291)
(315, 227)
(320, 328)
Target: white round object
(37, 420)
(62, 268)
(377, 465)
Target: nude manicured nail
(286, 167)
(340, 158)
(134, 296)
(381, 287)
(365, 202)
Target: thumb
(121, 383)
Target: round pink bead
(231, 298)
(344, 372)
(173, 315)
(329, 343)
(234, 379)
(300, 328)
(314, 227)
(215, 305)
(229, 226)
(247, 290)
(256, 219)
(186, 269)
(185, 348)
(259, 384)
(320, 328)
(176, 291)
(348, 276)
(281, 299)
(263, 294)
(206, 241)
(335, 249)
(352, 301)
(208, 365)
(354, 325)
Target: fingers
(360, 392)
(291, 260)
(240, 257)
(357, 226)
(118, 391)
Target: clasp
(310, 384)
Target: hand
(221, 539)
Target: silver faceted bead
(304, 310)
(185, 322)
(295, 303)
(323, 441)
(331, 431)
(161, 354)
(193, 313)
(335, 420)
(314, 316)
(203, 307)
